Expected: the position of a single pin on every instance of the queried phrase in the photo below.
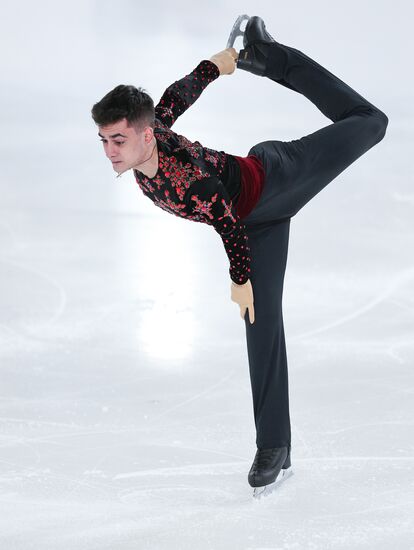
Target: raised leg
(297, 170)
(331, 95)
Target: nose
(111, 151)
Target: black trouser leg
(295, 172)
(308, 164)
(266, 338)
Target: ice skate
(269, 469)
(253, 57)
(236, 30)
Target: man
(125, 117)
(248, 200)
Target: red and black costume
(202, 184)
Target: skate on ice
(269, 469)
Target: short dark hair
(125, 101)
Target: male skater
(249, 201)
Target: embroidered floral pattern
(144, 184)
(171, 206)
(187, 183)
(204, 207)
(211, 157)
(194, 148)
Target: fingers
(243, 296)
(250, 309)
(234, 55)
(226, 60)
(232, 62)
(251, 314)
(233, 52)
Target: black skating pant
(295, 172)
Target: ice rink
(126, 410)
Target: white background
(126, 414)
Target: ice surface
(126, 415)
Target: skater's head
(125, 119)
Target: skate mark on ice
(211, 468)
(203, 449)
(194, 397)
(33, 422)
(59, 309)
(187, 489)
(45, 473)
(400, 279)
(176, 406)
(317, 475)
(365, 424)
(353, 458)
(363, 511)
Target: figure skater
(249, 201)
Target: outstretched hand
(226, 60)
(243, 295)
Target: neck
(149, 166)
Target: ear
(148, 134)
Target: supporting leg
(265, 337)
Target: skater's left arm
(226, 60)
(178, 97)
(208, 200)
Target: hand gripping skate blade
(236, 31)
(259, 492)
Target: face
(124, 146)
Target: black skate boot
(270, 467)
(256, 40)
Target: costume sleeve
(178, 97)
(210, 202)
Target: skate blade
(236, 31)
(259, 492)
